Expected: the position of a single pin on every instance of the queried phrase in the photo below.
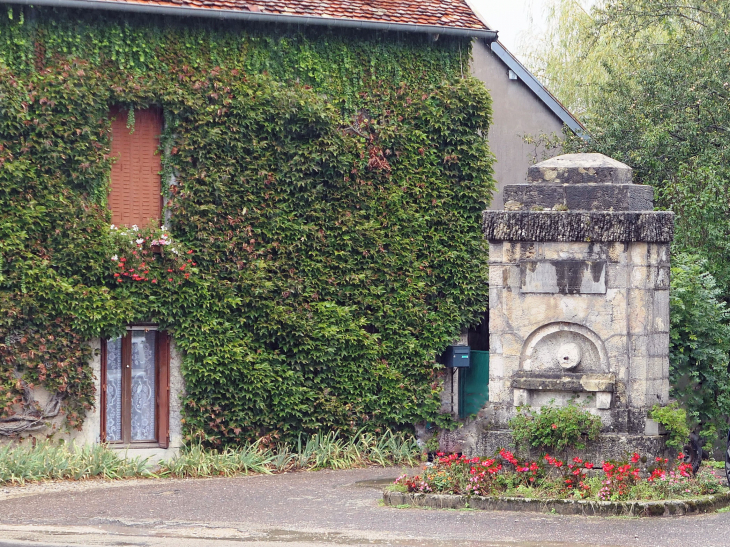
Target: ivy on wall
(326, 213)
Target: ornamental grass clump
(505, 475)
(318, 451)
(21, 463)
(330, 450)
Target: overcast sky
(510, 17)
(516, 19)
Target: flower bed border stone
(662, 508)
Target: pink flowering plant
(504, 474)
(149, 255)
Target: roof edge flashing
(227, 14)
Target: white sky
(514, 18)
(511, 18)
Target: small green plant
(674, 419)
(197, 461)
(432, 444)
(555, 428)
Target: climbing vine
(325, 214)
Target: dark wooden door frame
(162, 390)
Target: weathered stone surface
(609, 446)
(578, 300)
(580, 169)
(580, 197)
(621, 332)
(654, 428)
(655, 226)
(664, 508)
(523, 196)
(572, 382)
(563, 276)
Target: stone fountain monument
(578, 303)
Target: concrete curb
(666, 508)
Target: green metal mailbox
(474, 384)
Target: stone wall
(473, 440)
(609, 299)
(578, 304)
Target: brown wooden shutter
(135, 196)
(163, 389)
(102, 395)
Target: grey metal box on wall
(457, 357)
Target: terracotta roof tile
(440, 13)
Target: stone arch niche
(562, 361)
(564, 347)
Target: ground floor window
(135, 388)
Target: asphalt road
(308, 509)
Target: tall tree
(651, 80)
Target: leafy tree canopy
(651, 80)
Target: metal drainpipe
(184, 11)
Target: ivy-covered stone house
(220, 221)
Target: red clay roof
(440, 13)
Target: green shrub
(555, 428)
(699, 344)
(674, 419)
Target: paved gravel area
(306, 509)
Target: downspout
(239, 15)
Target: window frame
(162, 390)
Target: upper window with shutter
(135, 197)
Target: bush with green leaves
(699, 343)
(674, 419)
(555, 428)
(329, 188)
